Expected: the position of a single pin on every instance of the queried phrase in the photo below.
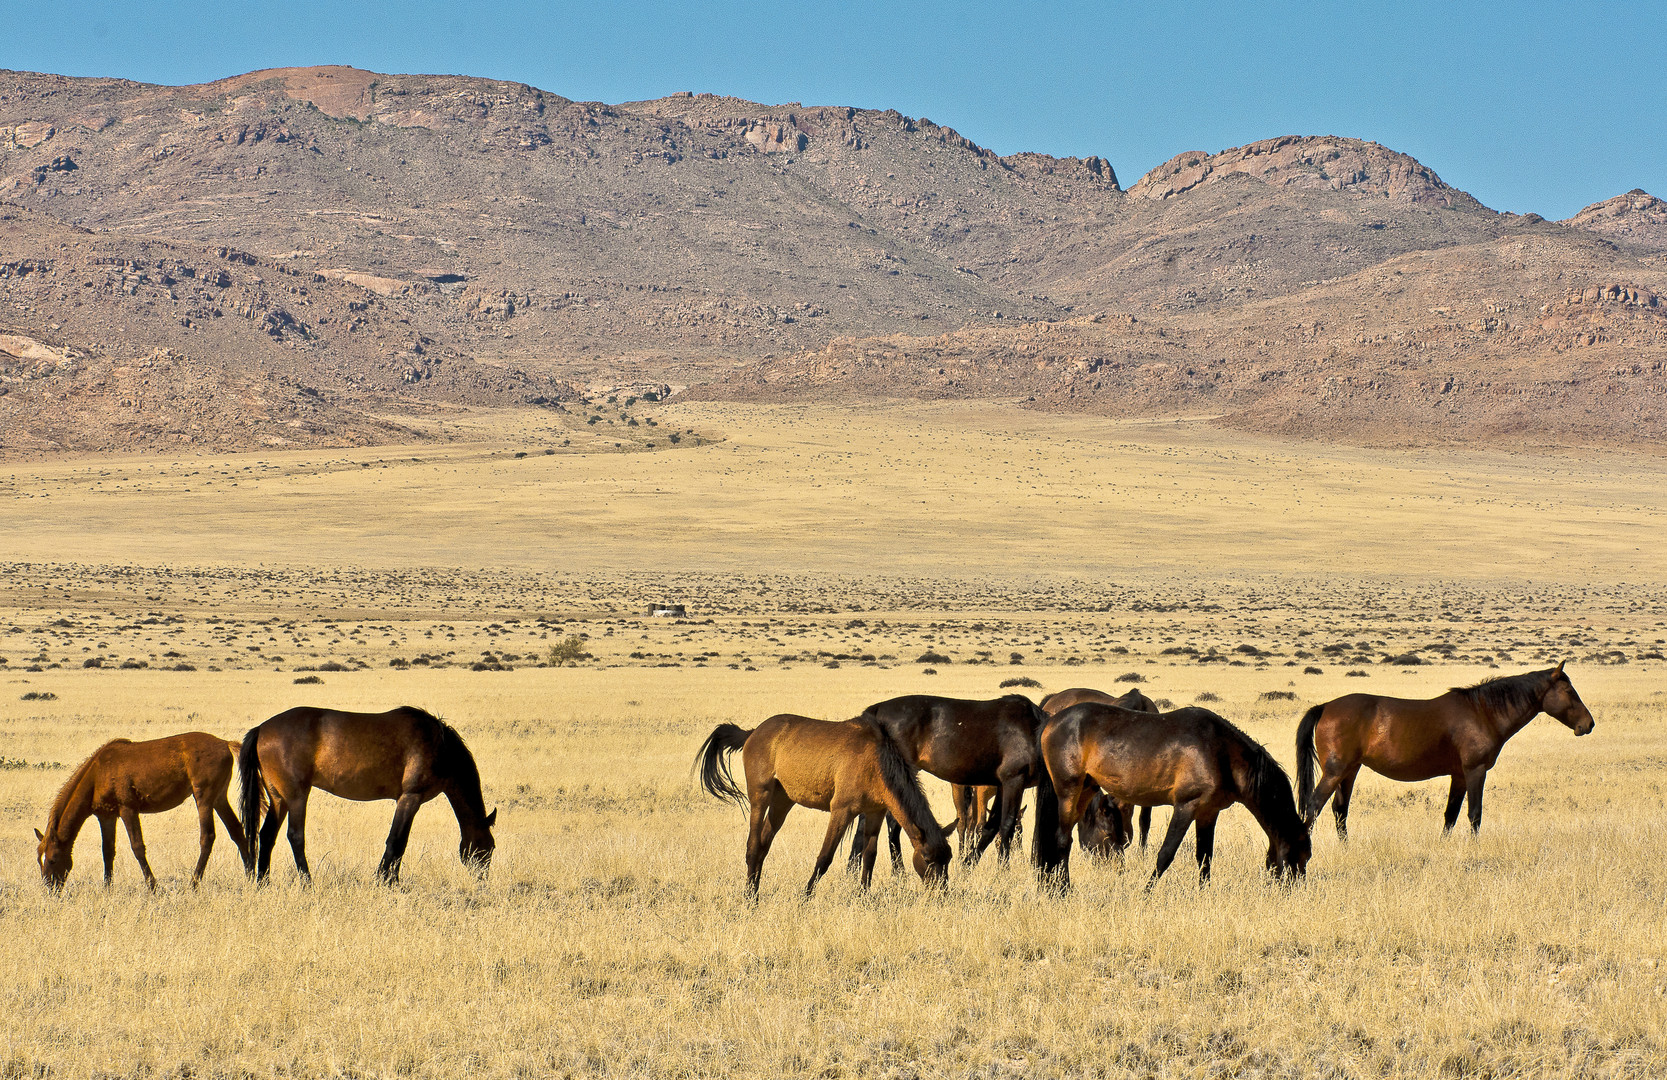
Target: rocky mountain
(755, 250)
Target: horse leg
(205, 827)
(107, 826)
(1455, 800)
(839, 819)
(1012, 801)
(1329, 779)
(962, 795)
(399, 834)
(136, 839)
(234, 828)
(769, 808)
(1473, 781)
(268, 838)
(854, 863)
(986, 831)
(1205, 841)
(1145, 825)
(1340, 804)
(894, 836)
(870, 841)
(1179, 823)
(298, 836)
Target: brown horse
(972, 810)
(406, 755)
(1190, 759)
(849, 769)
(1106, 827)
(977, 744)
(125, 779)
(1458, 734)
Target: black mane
(1510, 695)
(453, 757)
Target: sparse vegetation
(1022, 680)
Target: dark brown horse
(977, 744)
(850, 769)
(1190, 759)
(124, 779)
(1458, 734)
(1106, 827)
(406, 755)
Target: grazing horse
(977, 744)
(1190, 759)
(125, 779)
(1106, 827)
(406, 755)
(1458, 734)
(850, 769)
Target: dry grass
(611, 937)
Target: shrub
(309, 680)
(1355, 675)
(928, 671)
(1015, 658)
(1022, 680)
(1406, 659)
(1312, 670)
(39, 695)
(1130, 677)
(933, 658)
(569, 650)
(1276, 695)
(1207, 696)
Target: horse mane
(60, 802)
(902, 781)
(1509, 694)
(1270, 785)
(457, 757)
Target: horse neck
(464, 794)
(1510, 724)
(1245, 768)
(77, 807)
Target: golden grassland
(822, 553)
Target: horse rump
(712, 761)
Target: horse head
(477, 845)
(1289, 855)
(1101, 828)
(1563, 702)
(53, 855)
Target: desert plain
(828, 557)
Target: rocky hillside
(759, 250)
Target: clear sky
(1530, 106)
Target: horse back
(353, 755)
(812, 759)
(158, 774)
(1402, 738)
(959, 740)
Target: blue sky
(1529, 106)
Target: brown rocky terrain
(1319, 285)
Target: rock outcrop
(1312, 163)
(1636, 220)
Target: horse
(406, 755)
(1106, 827)
(1190, 759)
(1458, 734)
(124, 779)
(978, 744)
(850, 769)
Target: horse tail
(903, 782)
(1044, 844)
(712, 759)
(1306, 758)
(253, 786)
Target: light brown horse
(851, 769)
(1190, 759)
(1458, 734)
(1106, 826)
(406, 755)
(123, 779)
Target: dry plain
(821, 552)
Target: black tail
(713, 762)
(1306, 758)
(1044, 844)
(253, 784)
(903, 782)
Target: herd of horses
(1094, 760)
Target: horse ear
(492, 818)
(1559, 670)
(39, 835)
